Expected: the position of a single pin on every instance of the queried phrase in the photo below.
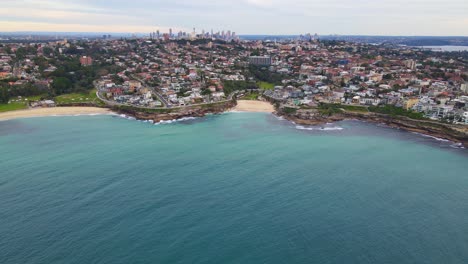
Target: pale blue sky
(378, 17)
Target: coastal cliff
(158, 115)
(455, 133)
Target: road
(160, 97)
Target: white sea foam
(174, 120)
(383, 125)
(127, 117)
(457, 146)
(157, 123)
(279, 117)
(319, 128)
(428, 136)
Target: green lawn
(354, 108)
(17, 103)
(22, 103)
(77, 98)
(12, 106)
(250, 96)
(266, 85)
(37, 97)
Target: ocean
(445, 48)
(230, 188)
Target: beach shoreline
(253, 106)
(243, 106)
(53, 111)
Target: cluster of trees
(27, 89)
(231, 86)
(206, 91)
(22, 52)
(265, 75)
(71, 76)
(4, 96)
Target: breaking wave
(319, 128)
(428, 136)
(174, 120)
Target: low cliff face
(456, 133)
(309, 117)
(171, 114)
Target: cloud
(50, 27)
(396, 17)
(262, 3)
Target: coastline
(54, 111)
(253, 106)
(456, 134)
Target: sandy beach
(54, 111)
(253, 106)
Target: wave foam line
(174, 120)
(319, 128)
(428, 136)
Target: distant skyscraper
(170, 32)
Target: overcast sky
(367, 17)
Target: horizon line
(248, 34)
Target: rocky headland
(313, 117)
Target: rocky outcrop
(310, 117)
(455, 133)
(157, 115)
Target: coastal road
(153, 89)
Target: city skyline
(435, 18)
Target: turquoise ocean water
(233, 188)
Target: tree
(256, 52)
(47, 51)
(61, 85)
(117, 79)
(4, 96)
(206, 92)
